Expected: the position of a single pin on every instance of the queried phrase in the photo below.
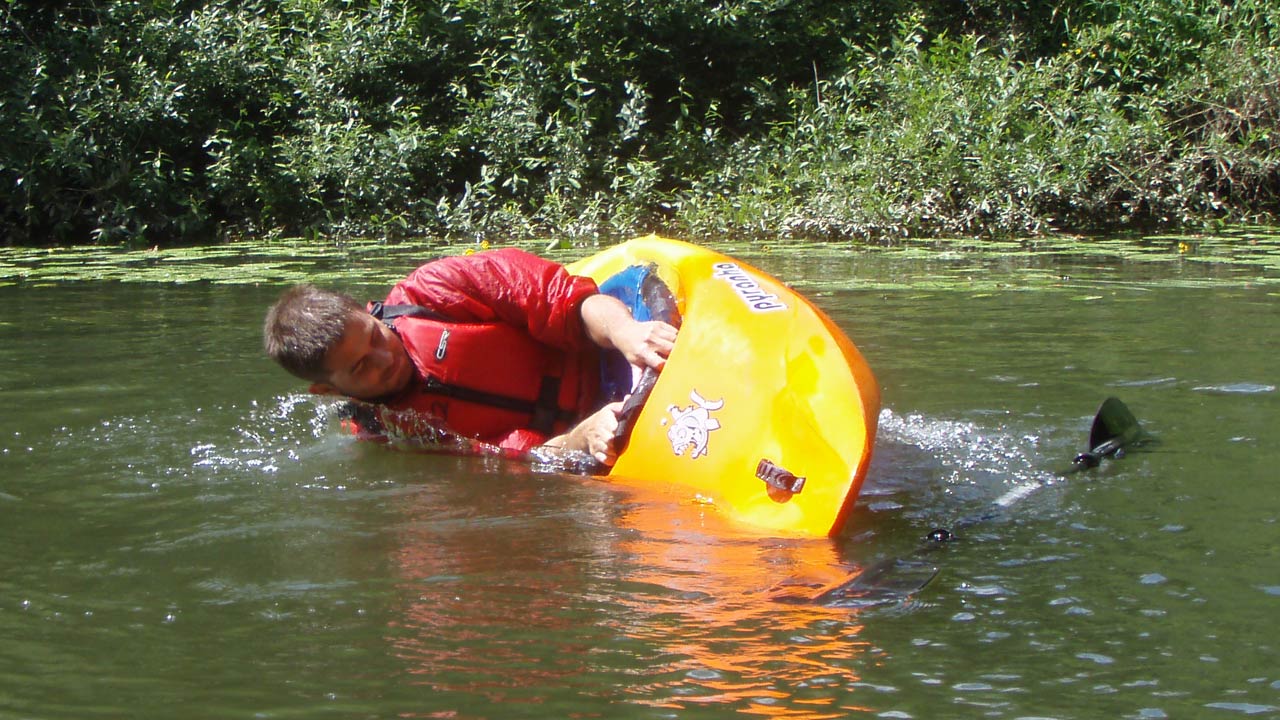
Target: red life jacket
(486, 380)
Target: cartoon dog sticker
(691, 427)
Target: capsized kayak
(765, 409)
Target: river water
(185, 535)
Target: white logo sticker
(747, 287)
(692, 426)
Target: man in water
(502, 346)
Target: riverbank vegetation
(178, 121)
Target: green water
(186, 536)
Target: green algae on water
(1240, 257)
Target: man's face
(368, 363)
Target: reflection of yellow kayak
(765, 409)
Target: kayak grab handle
(779, 479)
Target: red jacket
(509, 287)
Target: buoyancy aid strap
(545, 412)
(548, 410)
(387, 313)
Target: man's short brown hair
(304, 324)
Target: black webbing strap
(544, 411)
(387, 313)
(548, 409)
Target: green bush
(961, 135)
(172, 121)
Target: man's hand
(593, 435)
(645, 344)
(610, 325)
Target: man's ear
(322, 389)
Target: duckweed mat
(1245, 256)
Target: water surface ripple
(188, 534)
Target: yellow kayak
(765, 409)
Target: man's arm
(556, 308)
(644, 344)
(609, 324)
(593, 435)
(509, 286)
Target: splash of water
(968, 459)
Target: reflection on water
(701, 597)
(642, 587)
(661, 594)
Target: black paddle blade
(888, 581)
(1114, 426)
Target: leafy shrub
(166, 121)
(961, 135)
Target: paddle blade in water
(1114, 426)
(891, 580)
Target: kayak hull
(765, 409)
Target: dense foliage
(163, 121)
